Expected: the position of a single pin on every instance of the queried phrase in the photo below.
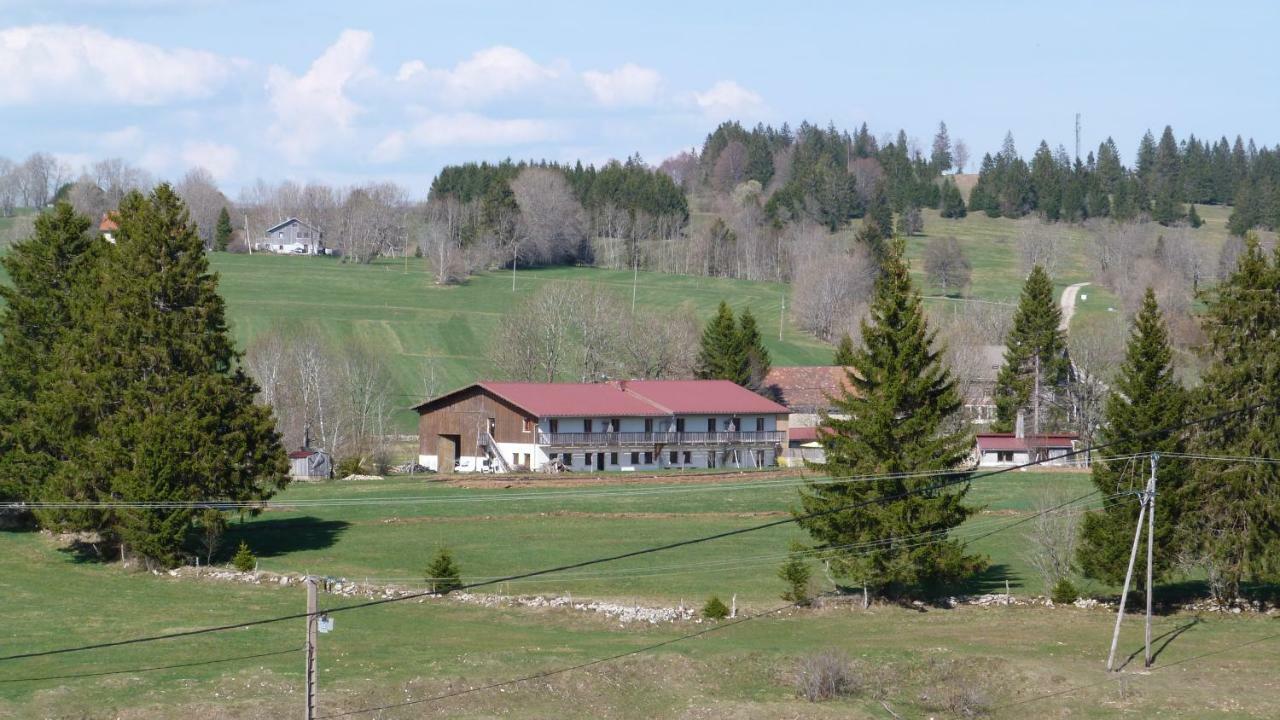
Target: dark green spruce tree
(46, 272)
(159, 408)
(1144, 409)
(952, 204)
(1232, 524)
(222, 230)
(902, 417)
(844, 352)
(1035, 336)
(756, 356)
(721, 356)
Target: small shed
(307, 464)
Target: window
(711, 425)
(648, 425)
(528, 424)
(635, 458)
(615, 424)
(613, 458)
(554, 425)
(688, 457)
(679, 425)
(587, 458)
(759, 424)
(1002, 456)
(648, 458)
(672, 458)
(586, 425)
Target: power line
(967, 477)
(559, 671)
(152, 668)
(599, 661)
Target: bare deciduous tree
(552, 224)
(439, 226)
(827, 284)
(682, 168)
(731, 166)
(1053, 538)
(945, 264)
(204, 201)
(1039, 244)
(960, 155)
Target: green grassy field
(428, 330)
(1005, 662)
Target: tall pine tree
(721, 356)
(1233, 519)
(45, 272)
(901, 409)
(158, 408)
(1145, 401)
(222, 231)
(754, 353)
(1035, 337)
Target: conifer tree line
(1215, 519)
(119, 381)
(1167, 180)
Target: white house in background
(292, 237)
(1008, 449)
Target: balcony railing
(642, 439)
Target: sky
(350, 92)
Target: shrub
(1064, 592)
(796, 574)
(244, 560)
(443, 574)
(350, 466)
(715, 609)
(824, 676)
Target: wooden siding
(466, 415)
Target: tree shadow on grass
(994, 579)
(276, 537)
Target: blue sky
(345, 92)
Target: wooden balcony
(767, 438)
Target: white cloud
(60, 63)
(628, 85)
(463, 129)
(488, 74)
(314, 109)
(219, 159)
(726, 99)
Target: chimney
(1019, 427)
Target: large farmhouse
(620, 425)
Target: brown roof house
(618, 425)
(807, 393)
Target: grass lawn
(427, 330)
(495, 532)
(922, 663)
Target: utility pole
(247, 240)
(1035, 421)
(635, 277)
(1151, 540)
(514, 249)
(1146, 497)
(310, 650)
(782, 315)
(1077, 136)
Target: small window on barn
(1003, 456)
(688, 457)
(613, 458)
(672, 458)
(648, 458)
(635, 458)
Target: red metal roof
(108, 222)
(1008, 442)
(572, 399)
(630, 398)
(711, 397)
(299, 454)
(802, 434)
